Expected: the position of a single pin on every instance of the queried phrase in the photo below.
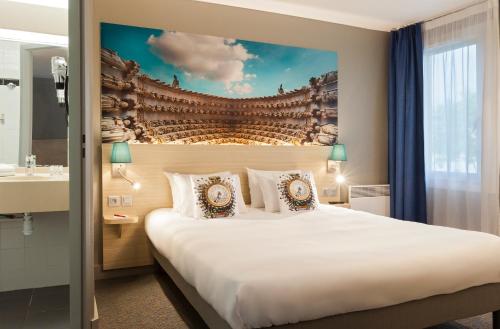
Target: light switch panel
(114, 201)
(127, 200)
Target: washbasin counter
(38, 193)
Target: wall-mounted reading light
(120, 156)
(337, 156)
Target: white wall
(10, 105)
(39, 260)
(27, 17)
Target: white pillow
(269, 192)
(256, 195)
(182, 192)
(239, 195)
(296, 192)
(174, 189)
(256, 198)
(215, 196)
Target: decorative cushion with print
(297, 192)
(215, 196)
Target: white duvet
(263, 269)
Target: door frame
(81, 234)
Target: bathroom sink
(38, 193)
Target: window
(452, 110)
(461, 118)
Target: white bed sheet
(262, 269)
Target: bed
(329, 268)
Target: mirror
(49, 137)
(31, 119)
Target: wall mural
(168, 87)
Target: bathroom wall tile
(10, 59)
(49, 229)
(9, 130)
(9, 153)
(9, 102)
(35, 261)
(11, 239)
(35, 257)
(58, 256)
(2, 51)
(12, 259)
(57, 275)
(39, 237)
(58, 239)
(11, 105)
(38, 278)
(58, 229)
(12, 151)
(44, 255)
(12, 272)
(14, 280)
(11, 224)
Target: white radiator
(371, 198)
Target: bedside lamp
(120, 156)
(337, 156)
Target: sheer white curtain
(461, 120)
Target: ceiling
(382, 15)
(41, 60)
(46, 3)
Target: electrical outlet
(114, 201)
(127, 200)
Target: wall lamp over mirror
(120, 157)
(337, 156)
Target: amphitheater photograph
(169, 87)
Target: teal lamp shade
(120, 153)
(338, 153)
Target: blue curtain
(406, 125)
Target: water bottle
(30, 164)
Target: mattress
(262, 269)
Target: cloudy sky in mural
(214, 65)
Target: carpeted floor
(135, 302)
(141, 302)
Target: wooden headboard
(149, 162)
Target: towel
(7, 169)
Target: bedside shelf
(341, 204)
(112, 220)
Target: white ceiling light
(46, 3)
(32, 37)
